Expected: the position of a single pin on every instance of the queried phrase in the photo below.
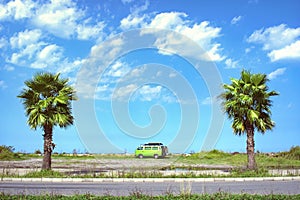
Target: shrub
(7, 153)
(213, 154)
(37, 151)
(293, 153)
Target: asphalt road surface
(150, 188)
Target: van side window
(140, 148)
(147, 148)
(154, 148)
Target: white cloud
(153, 92)
(66, 66)
(8, 68)
(236, 19)
(49, 52)
(109, 51)
(130, 84)
(25, 55)
(209, 100)
(136, 72)
(253, 1)
(25, 38)
(169, 20)
(103, 92)
(132, 21)
(17, 9)
(202, 33)
(62, 18)
(135, 18)
(111, 76)
(291, 51)
(31, 51)
(102, 88)
(3, 43)
(213, 53)
(124, 92)
(172, 75)
(49, 56)
(126, 1)
(86, 31)
(276, 73)
(87, 76)
(231, 63)
(275, 37)
(149, 93)
(206, 101)
(135, 10)
(58, 17)
(118, 69)
(27, 45)
(249, 49)
(281, 41)
(2, 84)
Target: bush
(213, 154)
(37, 151)
(7, 153)
(293, 153)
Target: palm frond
(247, 101)
(47, 100)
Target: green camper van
(155, 150)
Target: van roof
(154, 144)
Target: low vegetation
(293, 153)
(7, 153)
(140, 195)
(288, 159)
(44, 173)
(190, 164)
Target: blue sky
(149, 71)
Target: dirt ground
(165, 166)
(109, 166)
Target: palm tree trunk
(250, 148)
(48, 146)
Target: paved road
(150, 188)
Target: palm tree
(47, 102)
(247, 103)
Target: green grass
(214, 157)
(293, 153)
(7, 153)
(45, 174)
(280, 160)
(288, 159)
(139, 195)
(235, 173)
(277, 162)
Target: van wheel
(155, 156)
(140, 156)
